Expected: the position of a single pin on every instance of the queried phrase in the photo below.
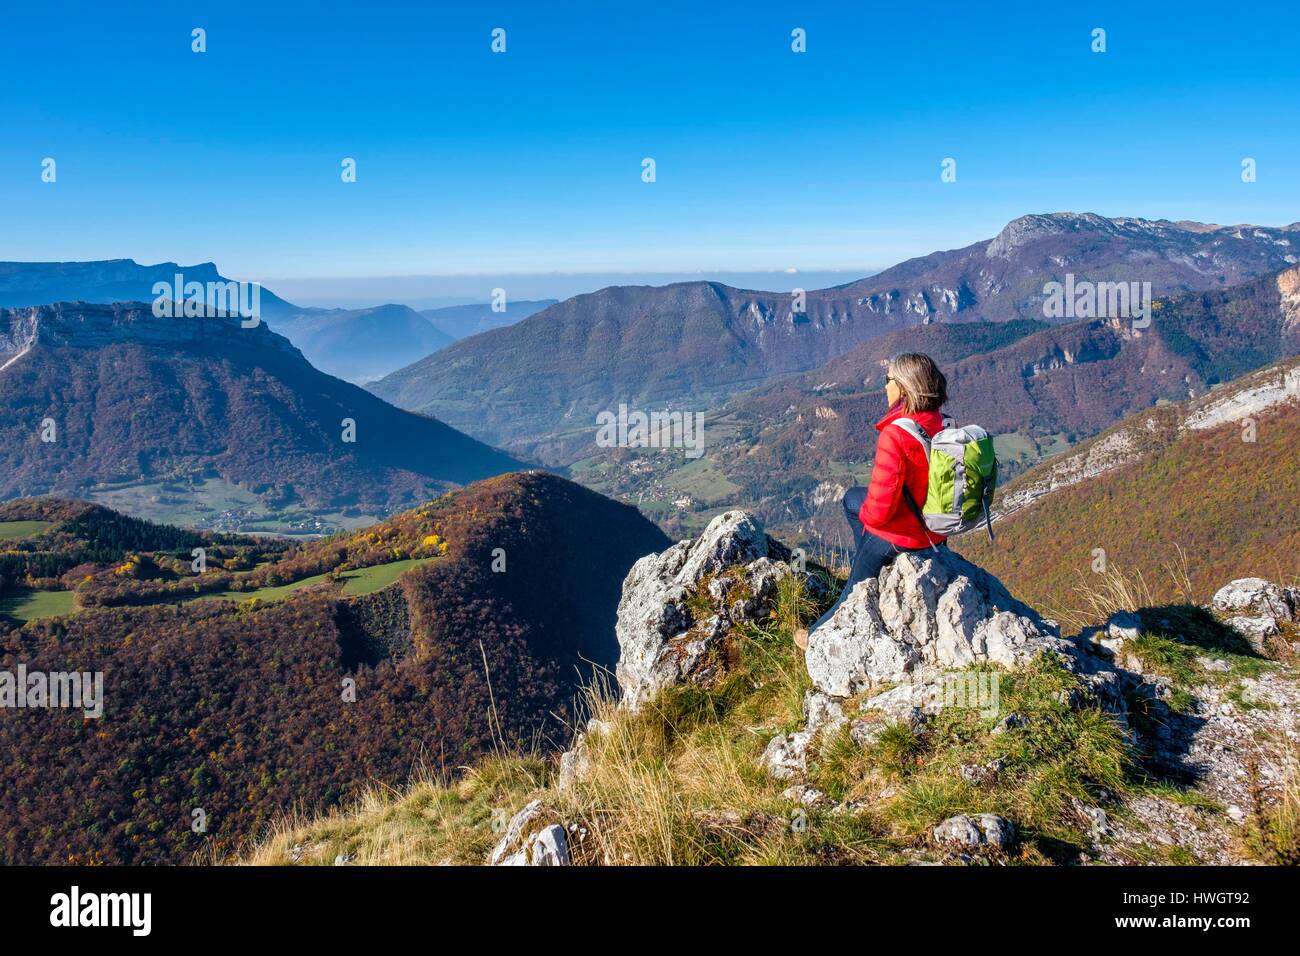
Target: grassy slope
(362, 581)
(12, 530)
(1229, 504)
(678, 783)
(36, 603)
(26, 605)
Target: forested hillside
(464, 625)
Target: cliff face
(1288, 287)
(87, 326)
(106, 281)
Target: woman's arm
(885, 492)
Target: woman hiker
(884, 523)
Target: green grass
(369, 580)
(1014, 447)
(703, 479)
(276, 593)
(27, 605)
(13, 530)
(361, 581)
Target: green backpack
(963, 477)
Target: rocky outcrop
(926, 625)
(786, 756)
(1256, 608)
(934, 631)
(929, 613)
(529, 841)
(1255, 597)
(575, 763)
(678, 605)
(976, 830)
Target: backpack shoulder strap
(915, 430)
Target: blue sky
(530, 161)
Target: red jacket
(900, 459)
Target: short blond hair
(918, 377)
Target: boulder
(786, 755)
(1255, 597)
(1256, 608)
(664, 636)
(1124, 625)
(910, 705)
(1256, 630)
(800, 793)
(1010, 722)
(976, 830)
(529, 842)
(982, 773)
(575, 763)
(927, 613)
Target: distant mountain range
(537, 385)
(357, 345)
(789, 393)
(108, 280)
(462, 321)
(788, 450)
(1003, 278)
(172, 404)
(362, 345)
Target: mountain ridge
(137, 398)
(787, 450)
(693, 345)
(1205, 478)
(103, 281)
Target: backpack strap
(988, 501)
(916, 510)
(917, 432)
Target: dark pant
(871, 555)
